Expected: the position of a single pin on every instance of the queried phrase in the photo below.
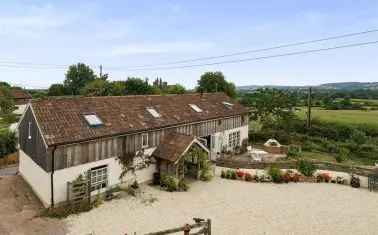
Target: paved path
(9, 170)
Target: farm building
(21, 99)
(62, 138)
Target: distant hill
(326, 86)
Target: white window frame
(99, 177)
(153, 112)
(93, 120)
(196, 108)
(234, 139)
(144, 138)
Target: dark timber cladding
(31, 141)
(124, 120)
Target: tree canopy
(7, 104)
(57, 90)
(77, 77)
(215, 82)
(97, 87)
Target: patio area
(238, 207)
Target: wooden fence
(292, 164)
(203, 227)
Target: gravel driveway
(237, 207)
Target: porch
(181, 156)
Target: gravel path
(237, 207)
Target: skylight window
(227, 104)
(195, 108)
(93, 120)
(153, 112)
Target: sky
(39, 39)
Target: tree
(271, 103)
(137, 86)
(117, 88)
(57, 90)
(8, 141)
(176, 89)
(97, 87)
(77, 77)
(215, 82)
(7, 104)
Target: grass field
(354, 117)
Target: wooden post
(208, 226)
(186, 229)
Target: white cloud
(160, 48)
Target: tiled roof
(61, 119)
(18, 93)
(172, 146)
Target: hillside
(326, 86)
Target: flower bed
(277, 175)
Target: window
(195, 108)
(144, 140)
(153, 112)
(93, 120)
(234, 139)
(99, 177)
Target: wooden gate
(78, 190)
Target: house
(61, 138)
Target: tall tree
(137, 86)
(215, 82)
(77, 77)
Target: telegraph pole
(309, 104)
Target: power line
(260, 50)
(259, 58)
(215, 63)
(8, 63)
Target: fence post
(186, 229)
(208, 226)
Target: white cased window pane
(93, 120)
(195, 108)
(153, 112)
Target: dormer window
(153, 112)
(93, 120)
(195, 108)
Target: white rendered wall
(36, 177)
(39, 179)
(225, 134)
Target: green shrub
(306, 168)
(8, 141)
(223, 174)
(233, 175)
(294, 151)
(183, 185)
(275, 173)
(170, 183)
(342, 155)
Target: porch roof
(174, 145)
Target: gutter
(52, 175)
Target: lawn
(354, 117)
(327, 157)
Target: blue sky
(122, 34)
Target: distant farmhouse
(62, 138)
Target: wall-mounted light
(29, 137)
